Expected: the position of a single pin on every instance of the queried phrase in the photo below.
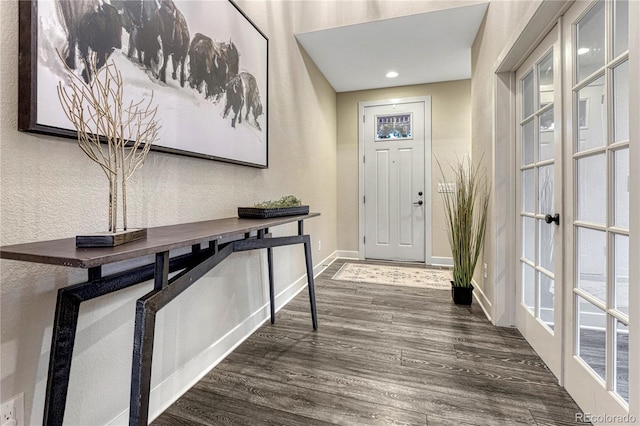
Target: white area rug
(439, 279)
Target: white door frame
(535, 26)
(427, 169)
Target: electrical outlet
(319, 245)
(12, 412)
(485, 273)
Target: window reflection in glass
(590, 42)
(622, 360)
(621, 102)
(621, 26)
(527, 95)
(591, 116)
(547, 295)
(528, 286)
(528, 141)
(592, 323)
(528, 191)
(592, 189)
(621, 279)
(592, 262)
(546, 244)
(528, 238)
(546, 203)
(621, 188)
(545, 81)
(545, 137)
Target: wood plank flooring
(382, 355)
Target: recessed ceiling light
(583, 50)
(392, 74)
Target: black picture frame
(192, 115)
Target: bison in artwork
(92, 27)
(235, 100)
(252, 101)
(201, 53)
(174, 34)
(141, 21)
(225, 66)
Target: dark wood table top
(163, 238)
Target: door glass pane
(527, 95)
(592, 262)
(622, 360)
(545, 137)
(592, 323)
(547, 294)
(621, 26)
(545, 81)
(528, 191)
(528, 286)
(621, 102)
(591, 116)
(592, 189)
(528, 143)
(393, 127)
(621, 188)
(545, 190)
(621, 279)
(590, 43)
(545, 244)
(529, 238)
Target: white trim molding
(482, 300)
(348, 254)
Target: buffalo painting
(203, 61)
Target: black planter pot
(461, 295)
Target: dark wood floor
(382, 355)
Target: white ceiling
(422, 48)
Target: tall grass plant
(465, 211)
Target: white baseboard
(440, 261)
(482, 300)
(167, 392)
(347, 254)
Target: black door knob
(418, 203)
(555, 218)
(420, 193)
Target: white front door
(395, 194)
(597, 111)
(539, 187)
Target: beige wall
(451, 137)
(503, 19)
(50, 189)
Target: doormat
(439, 279)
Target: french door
(597, 232)
(539, 185)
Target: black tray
(261, 213)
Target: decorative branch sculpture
(115, 136)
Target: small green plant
(465, 211)
(286, 201)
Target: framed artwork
(203, 62)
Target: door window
(601, 189)
(537, 171)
